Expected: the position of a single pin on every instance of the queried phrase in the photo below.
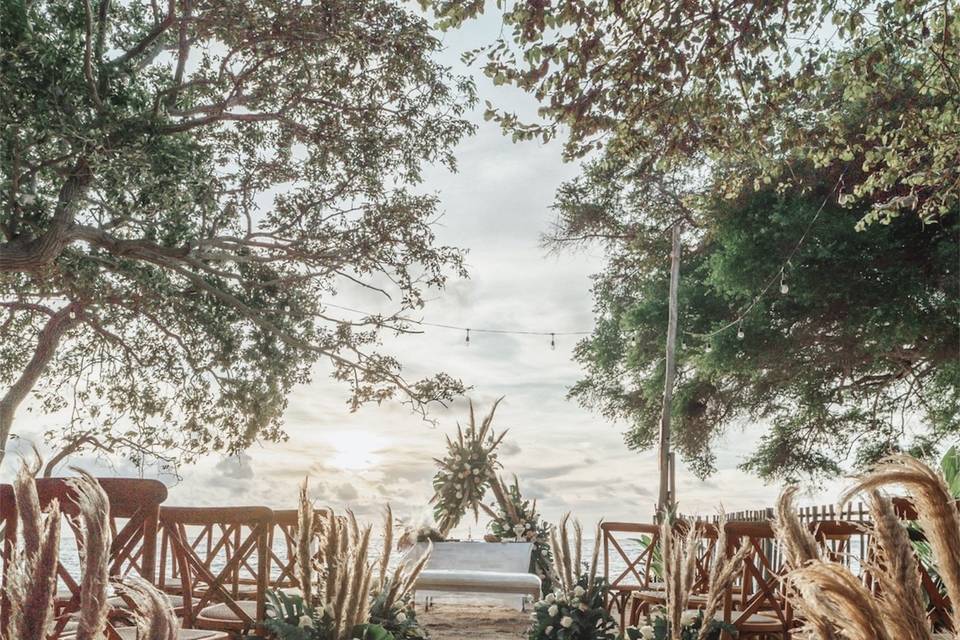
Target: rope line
(452, 327)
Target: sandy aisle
(477, 622)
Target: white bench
(499, 568)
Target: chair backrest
(134, 511)
(218, 555)
(629, 552)
(134, 518)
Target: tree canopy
(186, 184)
(851, 349)
(676, 86)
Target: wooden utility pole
(667, 497)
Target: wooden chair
(638, 573)
(221, 557)
(134, 509)
(762, 610)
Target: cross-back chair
(218, 562)
(638, 572)
(134, 509)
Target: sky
(496, 207)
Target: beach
(452, 621)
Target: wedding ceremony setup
(479, 319)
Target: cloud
(510, 448)
(345, 491)
(236, 467)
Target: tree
(741, 120)
(186, 184)
(847, 349)
(676, 86)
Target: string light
(784, 289)
(468, 330)
(740, 333)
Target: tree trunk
(666, 499)
(47, 342)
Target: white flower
(553, 610)
(476, 471)
(579, 591)
(656, 614)
(647, 632)
(566, 622)
(305, 621)
(550, 599)
(548, 630)
(688, 617)
(401, 617)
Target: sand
(477, 622)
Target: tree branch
(57, 326)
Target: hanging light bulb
(784, 289)
(467, 341)
(708, 348)
(553, 342)
(740, 333)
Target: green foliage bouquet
(657, 627)
(465, 472)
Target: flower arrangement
(575, 609)
(517, 519)
(465, 472)
(340, 597)
(834, 602)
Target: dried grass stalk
(562, 562)
(387, 546)
(348, 574)
(679, 569)
(594, 559)
(723, 573)
(32, 578)
(94, 510)
(28, 507)
(153, 614)
(937, 514)
(303, 542)
(800, 548)
(799, 545)
(830, 591)
(895, 569)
